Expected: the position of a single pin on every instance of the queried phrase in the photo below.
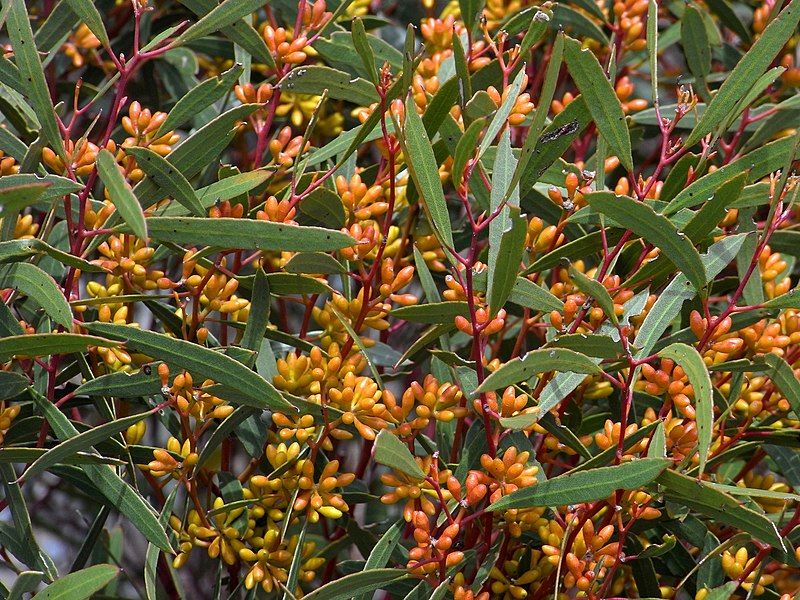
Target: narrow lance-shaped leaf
(747, 71)
(255, 391)
(500, 118)
(89, 14)
(502, 227)
(782, 375)
(121, 193)
(534, 135)
(47, 344)
(601, 100)
(32, 73)
(584, 486)
(539, 361)
(692, 364)
(390, 451)
(718, 505)
(315, 79)
(121, 495)
(382, 551)
(355, 584)
(167, 177)
(422, 164)
(36, 284)
(696, 46)
(596, 290)
(503, 276)
(225, 14)
(199, 98)
(247, 234)
(80, 443)
(655, 229)
(364, 50)
(80, 585)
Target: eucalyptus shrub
(355, 299)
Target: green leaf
(151, 555)
(696, 46)
(364, 50)
(32, 73)
(223, 15)
(324, 208)
(12, 384)
(36, 284)
(790, 299)
(122, 385)
(383, 550)
(350, 586)
(503, 275)
(539, 361)
(49, 344)
(167, 177)
(500, 118)
(692, 364)
(596, 290)
(596, 345)
(532, 139)
(782, 375)
(530, 295)
(722, 592)
(756, 164)
(314, 262)
(465, 149)
(470, 9)
(239, 32)
(655, 229)
(199, 98)
(88, 13)
(739, 81)
(584, 486)
(433, 312)
(204, 363)
(29, 551)
(658, 443)
(422, 165)
(258, 319)
(315, 79)
(15, 250)
(80, 443)
(719, 506)
(27, 581)
(246, 234)
(121, 193)
(679, 290)
(198, 150)
(393, 453)
(600, 99)
(121, 495)
(80, 585)
(54, 186)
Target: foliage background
(470, 299)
